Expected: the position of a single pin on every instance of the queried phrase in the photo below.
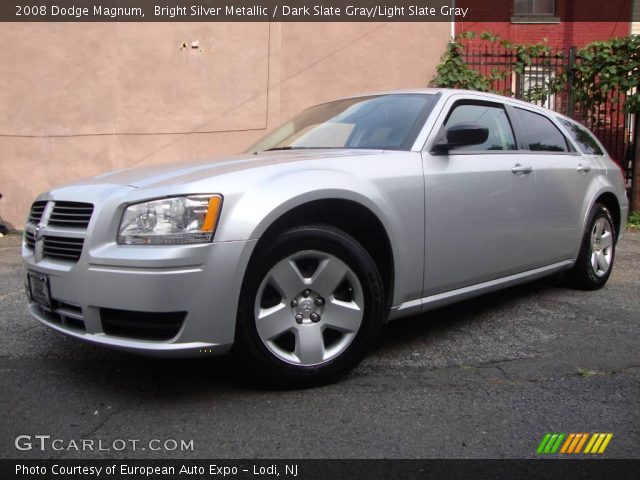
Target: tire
(311, 305)
(597, 252)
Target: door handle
(517, 168)
(583, 168)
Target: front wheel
(311, 305)
(597, 252)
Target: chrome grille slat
(30, 240)
(57, 221)
(66, 241)
(37, 209)
(61, 255)
(57, 248)
(65, 210)
(71, 214)
(58, 251)
(62, 247)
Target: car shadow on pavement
(461, 313)
(171, 379)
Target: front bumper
(203, 281)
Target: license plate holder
(39, 289)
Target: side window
(583, 138)
(542, 134)
(491, 116)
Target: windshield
(384, 122)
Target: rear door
(478, 201)
(562, 179)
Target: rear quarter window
(585, 140)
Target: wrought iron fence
(615, 129)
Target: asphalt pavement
(486, 378)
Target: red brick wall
(563, 34)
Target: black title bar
(306, 11)
(585, 469)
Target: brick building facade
(563, 23)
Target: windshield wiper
(288, 147)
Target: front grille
(71, 214)
(75, 215)
(141, 325)
(37, 209)
(30, 240)
(64, 248)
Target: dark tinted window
(583, 138)
(542, 134)
(492, 117)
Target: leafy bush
(603, 67)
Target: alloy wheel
(308, 308)
(601, 247)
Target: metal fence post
(570, 78)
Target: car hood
(194, 170)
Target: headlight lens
(171, 221)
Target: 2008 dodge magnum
(356, 211)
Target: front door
(478, 202)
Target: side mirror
(461, 135)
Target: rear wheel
(311, 306)
(597, 252)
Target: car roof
(454, 91)
(449, 92)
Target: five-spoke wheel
(311, 305)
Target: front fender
(393, 201)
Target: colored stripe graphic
(543, 443)
(556, 446)
(551, 443)
(581, 443)
(567, 443)
(605, 443)
(592, 441)
(598, 442)
(579, 437)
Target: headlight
(171, 221)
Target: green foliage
(603, 67)
(606, 67)
(453, 72)
(634, 220)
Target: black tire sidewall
(582, 275)
(263, 364)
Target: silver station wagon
(357, 211)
